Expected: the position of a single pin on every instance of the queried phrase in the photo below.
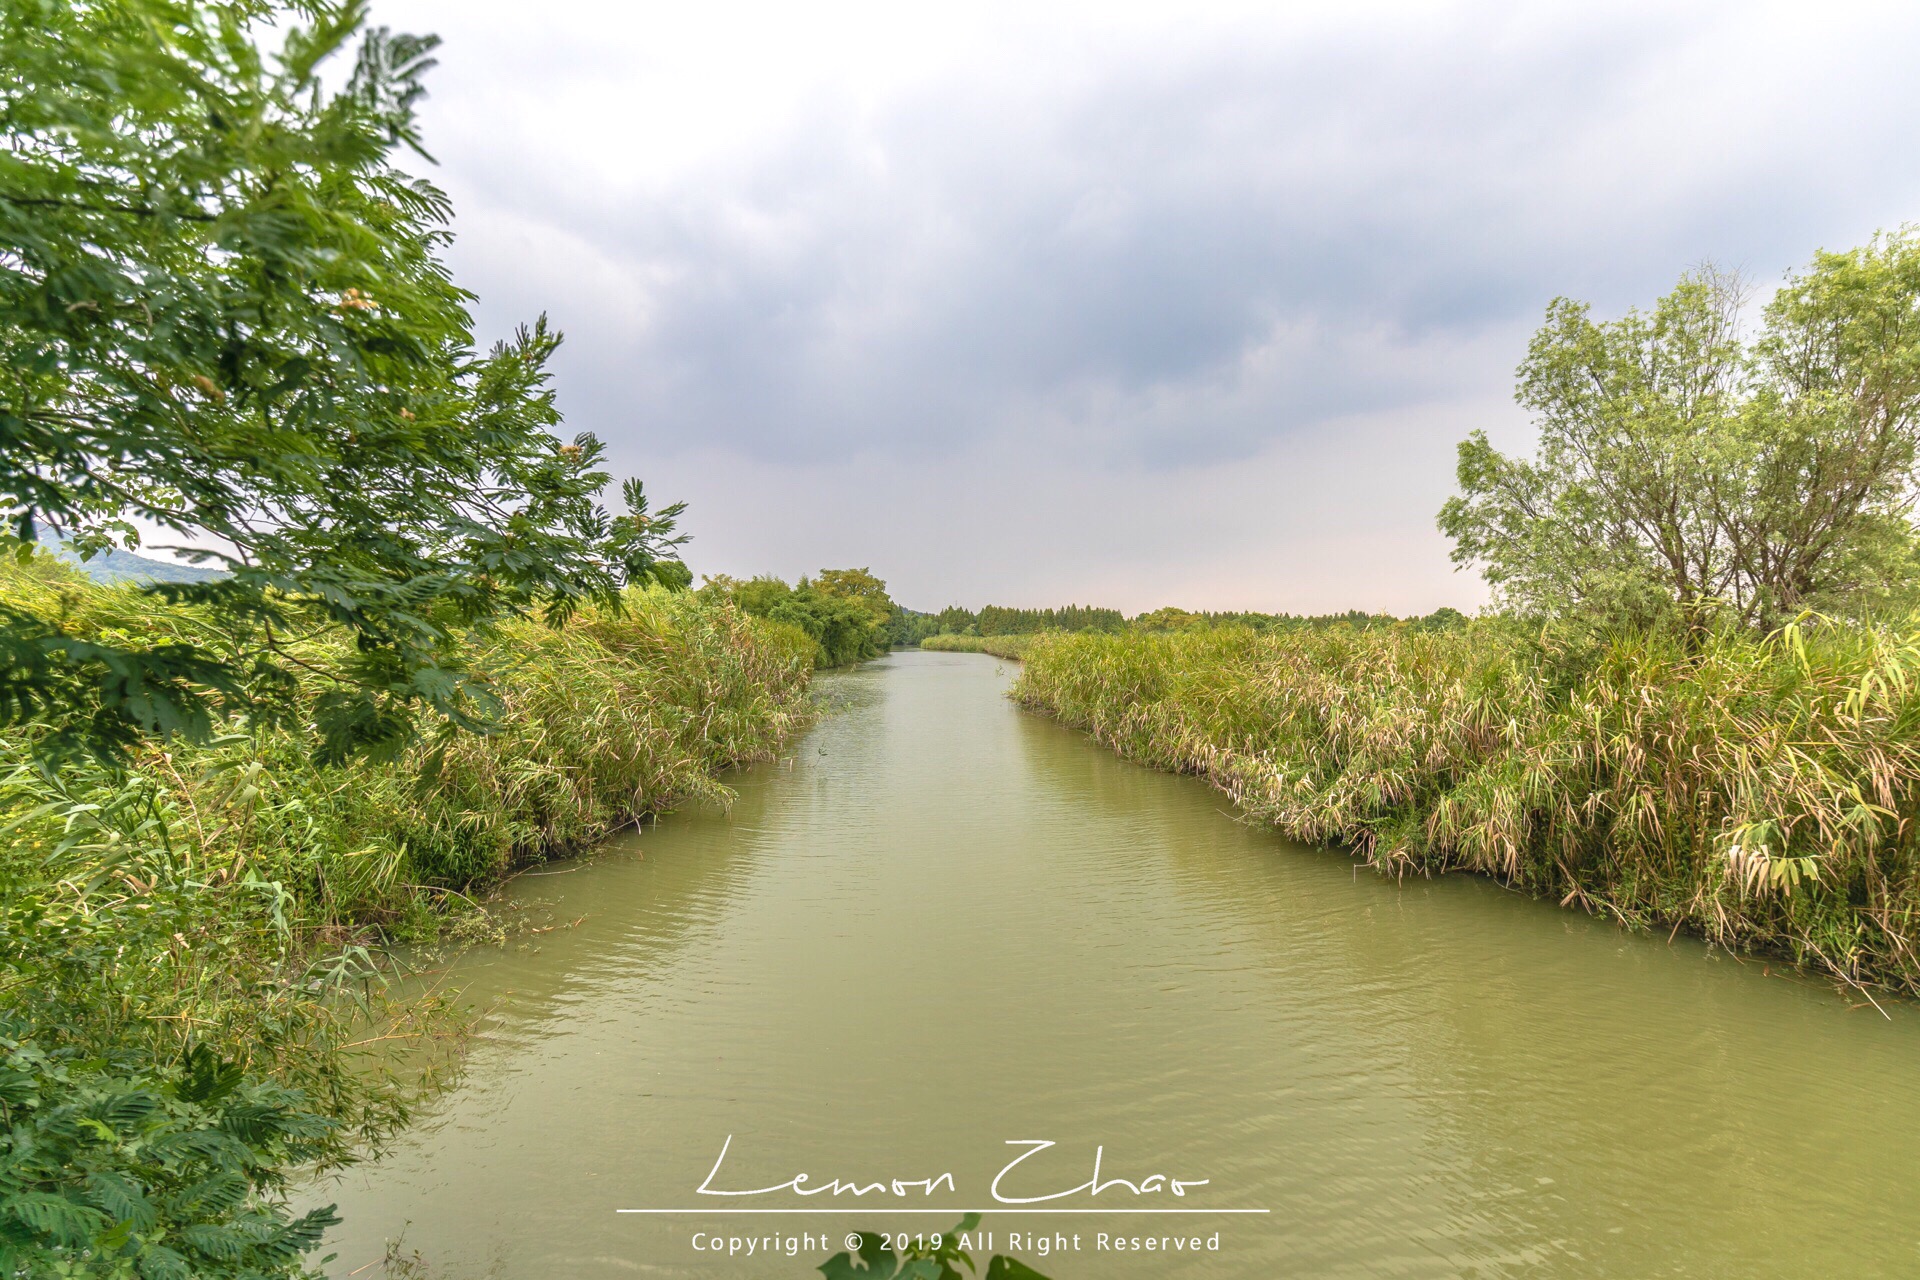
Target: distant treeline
(1167, 620)
(849, 617)
(1014, 647)
(999, 620)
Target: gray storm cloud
(1251, 276)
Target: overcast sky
(1128, 304)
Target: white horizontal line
(855, 1209)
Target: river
(945, 924)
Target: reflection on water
(945, 924)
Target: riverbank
(237, 896)
(1011, 647)
(1762, 794)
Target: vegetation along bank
(1761, 792)
(194, 937)
(1694, 703)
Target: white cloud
(873, 282)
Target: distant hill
(115, 565)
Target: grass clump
(1760, 792)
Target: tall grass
(1014, 647)
(1762, 793)
(237, 894)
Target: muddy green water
(945, 924)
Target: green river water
(945, 924)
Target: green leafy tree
(673, 575)
(1687, 474)
(845, 630)
(859, 586)
(223, 311)
(761, 596)
(956, 620)
(1445, 618)
(1170, 618)
(998, 620)
(845, 612)
(909, 627)
(892, 625)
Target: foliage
(1687, 474)
(612, 715)
(932, 1258)
(997, 620)
(908, 627)
(858, 586)
(117, 1168)
(223, 310)
(845, 613)
(1762, 792)
(120, 961)
(1170, 618)
(955, 620)
(673, 575)
(234, 894)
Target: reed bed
(228, 892)
(1011, 647)
(599, 722)
(1760, 793)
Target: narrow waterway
(945, 924)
